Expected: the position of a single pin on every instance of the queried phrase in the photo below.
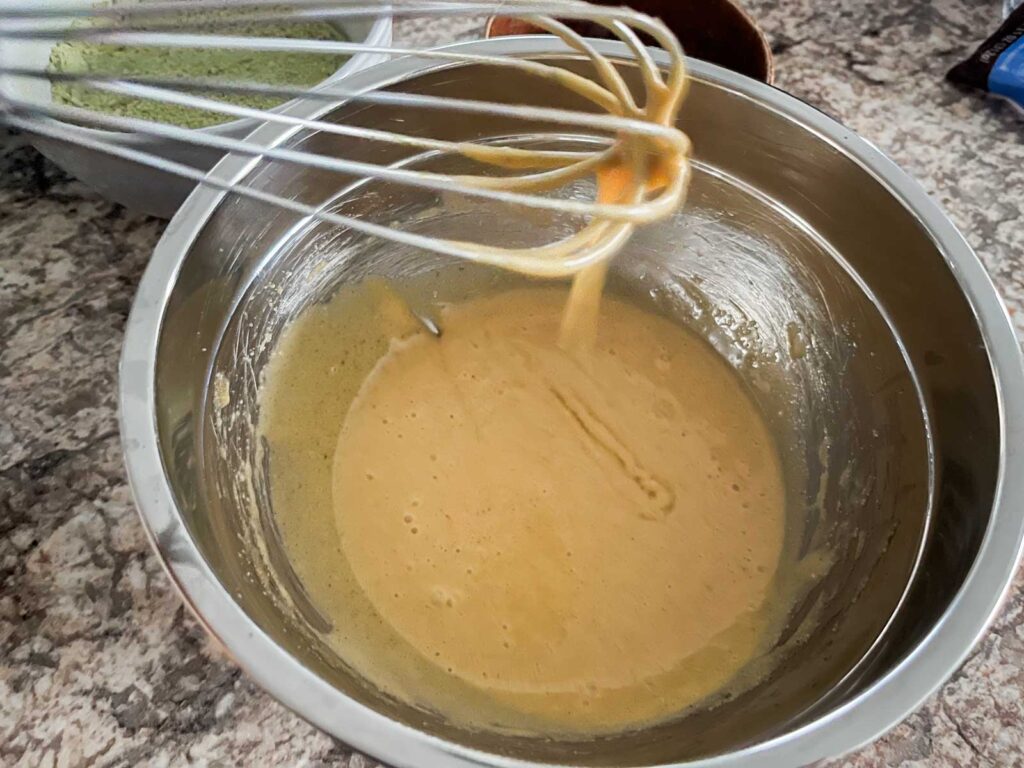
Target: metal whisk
(638, 136)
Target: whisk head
(639, 158)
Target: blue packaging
(998, 64)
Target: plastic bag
(998, 64)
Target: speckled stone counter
(99, 662)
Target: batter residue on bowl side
(519, 536)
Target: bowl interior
(823, 291)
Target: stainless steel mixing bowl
(860, 319)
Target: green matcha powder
(283, 69)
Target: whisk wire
(626, 132)
(424, 179)
(470, 251)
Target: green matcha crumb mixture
(245, 66)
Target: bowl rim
(379, 35)
(865, 717)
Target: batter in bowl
(520, 535)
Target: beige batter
(521, 536)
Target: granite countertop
(99, 662)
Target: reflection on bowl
(858, 318)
